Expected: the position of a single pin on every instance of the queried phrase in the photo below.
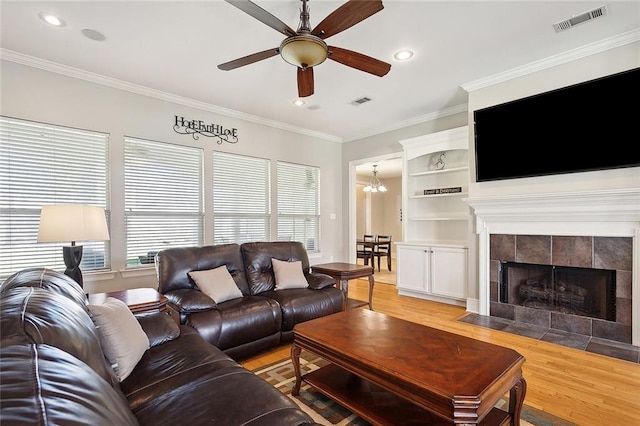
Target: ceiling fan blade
(346, 16)
(262, 15)
(359, 61)
(305, 82)
(249, 59)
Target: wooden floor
(582, 387)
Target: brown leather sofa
(263, 317)
(53, 369)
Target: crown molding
(413, 121)
(65, 70)
(552, 61)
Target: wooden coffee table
(394, 372)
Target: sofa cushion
(173, 265)
(216, 283)
(35, 315)
(303, 304)
(259, 268)
(189, 381)
(288, 274)
(159, 327)
(46, 279)
(121, 336)
(238, 321)
(188, 300)
(43, 385)
(318, 281)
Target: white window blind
(241, 198)
(299, 204)
(163, 198)
(47, 164)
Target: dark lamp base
(72, 256)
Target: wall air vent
(579, 19)
(360, 101)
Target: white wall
(34, 94)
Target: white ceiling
(175, 47)
(388, 168)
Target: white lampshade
(72, 222)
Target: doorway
(376, 213)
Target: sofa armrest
(159, 328)
(188, 300)
(319, 281)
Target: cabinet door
(412, 264)
(449, 272)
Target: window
(298, 204)
(47, 164)
(163, 198)
(241, 198)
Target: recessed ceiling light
(403, 55)
(93, 34)
(51, 19)
(298, 102)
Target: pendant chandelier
(374, 184)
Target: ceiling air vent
(360, 101)
(579, 19)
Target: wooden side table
(343, 272)
(139, 300)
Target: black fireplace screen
(578, 291)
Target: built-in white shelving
(432, 258)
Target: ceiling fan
(306, 48)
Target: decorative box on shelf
(450, 190)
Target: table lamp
(72, 222)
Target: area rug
(326, 412)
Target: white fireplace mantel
(611, 213)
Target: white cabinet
(432, 258)
(433, 272)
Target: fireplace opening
(577, 291)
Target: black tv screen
(588, 126)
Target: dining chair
(383, 249)
(364, 251)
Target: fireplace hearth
(577, 291)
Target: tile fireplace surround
(613, 253)
(595, 229)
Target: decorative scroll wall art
(195, 128)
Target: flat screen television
(588, 126)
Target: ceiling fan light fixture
(304, 50)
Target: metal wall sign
(195, 128)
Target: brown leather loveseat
(263, 316)
(53, 369)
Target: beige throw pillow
(216, 283)
(121, 336)
(288, 274)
